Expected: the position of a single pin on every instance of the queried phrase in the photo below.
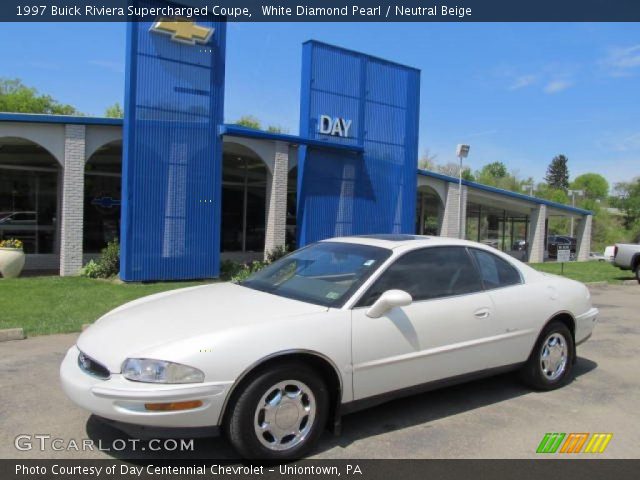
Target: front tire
(550, 364)
(280, 414)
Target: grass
(46, 305)
(586, 272)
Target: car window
(324, 273)
(428, 273)
(495, 271)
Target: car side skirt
(364, 403)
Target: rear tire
(638, 273)
(280, 414)
(550, 364)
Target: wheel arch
(635, 262)
(318, 361)
(568, 319)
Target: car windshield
(324, 273)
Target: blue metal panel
(172, 155)
(352, 194)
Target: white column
(450, 224)
(72, 200)
(583, 237)
(536, 234)
(276, 221)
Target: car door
(517, 307)
(446, 330)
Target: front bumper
(585, 324)
(122, 400)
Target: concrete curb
(11, 334)
(630, 282)
(597, 284)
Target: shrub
(91, 270)
(238, 272)
(11, 243)
(107, 266)
(247, 269)
(277, 253)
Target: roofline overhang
(506, 193)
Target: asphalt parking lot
(493, 418)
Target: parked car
(554, 240)
(18, 218)
(520, 246)
(329, 329)
(627, 257)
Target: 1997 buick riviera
(336, 326)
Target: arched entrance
(30, 197)
(102, 197)
(429, 211)
(244, 193)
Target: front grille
(90, 366)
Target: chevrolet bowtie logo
(183, 31)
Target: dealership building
(182, 190)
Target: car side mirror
(387, 301)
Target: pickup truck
(627, 257)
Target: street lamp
(528, 186)
(462, 151)
(573, 194)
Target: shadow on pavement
(394, 415)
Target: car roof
(393, 241)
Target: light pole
(462, 151)
(528, 186)
(573, 194)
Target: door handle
(482, 313)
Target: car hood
(136, 328)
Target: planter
(11, 262)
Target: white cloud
(109, 65)
(621, 61)
(556, 86)
(523, 81)
(620, 142)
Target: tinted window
(495, 271)
(428, 273)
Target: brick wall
(72, 200)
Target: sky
(517, 93)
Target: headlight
(159, 371)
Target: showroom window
(28, 195)
(102, 197)
(428, 273)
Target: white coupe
(337, 326)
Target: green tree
(553, 194)
(249, 121)
(558, 173)
(495, 174)
(629, 202)
(114, 111)
(276, 129)
(495, 170)
(595, 186)
(16, 97)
